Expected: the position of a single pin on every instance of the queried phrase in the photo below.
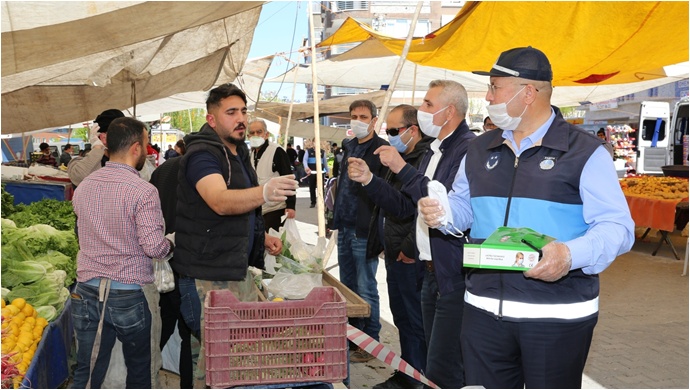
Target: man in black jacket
(172, 310)
(396, 238)
(442, 116)
(351, 217)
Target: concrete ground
(641, 339)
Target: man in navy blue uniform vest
(534, 329)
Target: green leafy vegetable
(7, 206)
(60, 262)
(47, 312)
(56, 213)
(41, 238)
(22, 272)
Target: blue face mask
(396, 142)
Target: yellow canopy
(587, 42)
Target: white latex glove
(554, 265)
(93, 135)
(171, 237)
(438, 192)
(431, 211)
(277, 189)
(358, 171)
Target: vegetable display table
(49, 367)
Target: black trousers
(312, 187)
(170, 315)
(272, 219)
(516, 355)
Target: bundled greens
(39, 239)
(56, 213)
(38, 262)
(298, 257)
(7, 205)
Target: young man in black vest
(219, 227)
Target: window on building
(352, 5)
(345, 91)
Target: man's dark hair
(123, 133)
(409, 114)
(289, 144)
(67, 146)
(601, 131)
(180, 144)
(224, 91)
(43, 146)
(486, 119)
(366, 104)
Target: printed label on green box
(515, 249)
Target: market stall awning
(587, 42)
(340, 104)
(249, 80)
(371, 73)
(353, 69)
(65, 62)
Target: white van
(653, 137)
(678, 145)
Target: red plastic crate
(253, 343)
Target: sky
(279, 22)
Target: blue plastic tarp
(28, 192)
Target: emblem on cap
(547, 163)
(492, 162)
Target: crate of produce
(255, 343)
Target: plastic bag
(163, 275)
(293, 286)
(294, 248)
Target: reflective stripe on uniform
(566, 311)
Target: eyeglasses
(395, 131)
(493, 87)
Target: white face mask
(359, 128)
(426, 122)
(256, 142)
(499, 115)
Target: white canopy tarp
(249, 80)
(336, 105)
(361, 68)
(354, 69)
(305, 130)
(65, 62)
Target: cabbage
(8, 224)
(60, 262)
(22, 273)
(56, 247)
(41, 238)
(47, 312)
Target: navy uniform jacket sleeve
(415, 184)
(389, 199)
